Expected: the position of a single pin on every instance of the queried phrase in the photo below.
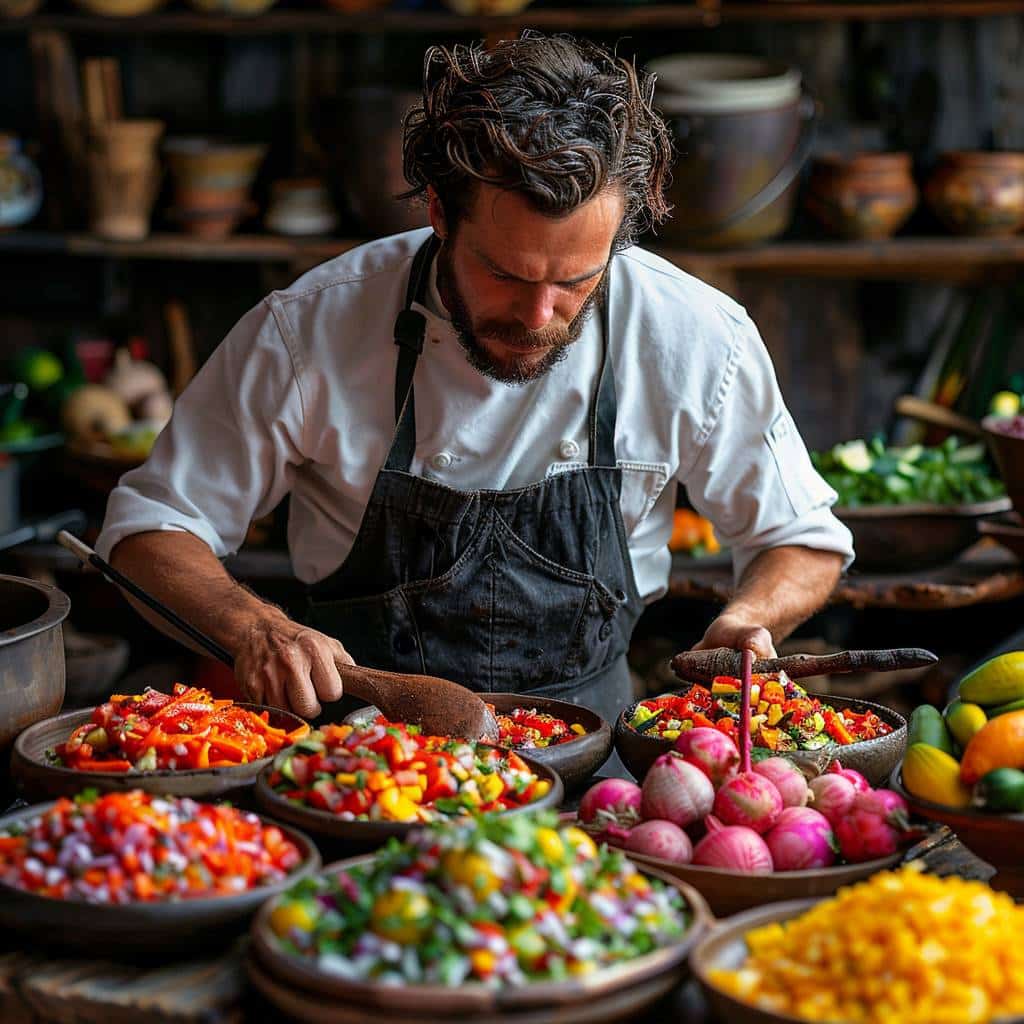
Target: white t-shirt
(300, 398)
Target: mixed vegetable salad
(502, 901)
(783, 717)
(869, 473)
(531, 729)
(133, 847)
(386, 771)
(187, 728)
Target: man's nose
(536, 306)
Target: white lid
(704, 83)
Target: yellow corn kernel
(345, 778)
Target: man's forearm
(182, 571)
(784, 586)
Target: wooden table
(983, 574)
(37, 987)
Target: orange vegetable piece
(997, 744)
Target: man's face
(519, 285)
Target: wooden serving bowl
(874, 759)
(134, 930)
(40, 780)
(995, 838)
(575, 760)
(368, 835)
(620, 992)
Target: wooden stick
(745, 682)
(937, 415)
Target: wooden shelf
(634, 17)
(959, 260)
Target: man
(482, 426)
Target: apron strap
(410, 328)
(604, 406)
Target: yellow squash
(996, 682)
(931, 774)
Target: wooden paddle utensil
(703, 666)
(439, 706)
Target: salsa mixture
(502, 901)
(187, 728)
(783, 716)
(531, 729)
(386, 771)
(133, 847)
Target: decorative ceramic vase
(124, 175)
(21, 188)
(869, 195)
(300, 206)
(978, 193)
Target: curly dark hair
(555, 118)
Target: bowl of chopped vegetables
(901, 946)
(132, 874)
(184, 743)
(479, 920)
(913, 507)
(363, 784)
(572, 740)
(786, 719)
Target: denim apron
(528, 591)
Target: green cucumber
(286, 768)
(1002, 709)
(1001, 789)
(928, 726)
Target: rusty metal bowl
(903, 538)
(41, 780)
(874, 759)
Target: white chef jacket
(299, 398)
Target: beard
(521, 367)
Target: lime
(1005, 404)
(38, 368)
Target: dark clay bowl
(40, 780)
(368, 835)
(874, 759)
(134, 930)
(585, 998)
(902, 538)
(996, 838)
(575, 761)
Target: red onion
(734, 848)
(888, 804)
(832, 795)
(609, 808)
(802, 838)
(676, 790)
(748, 799)
(657, 838)
(876, 826)
(859, 782)
(788, 780)
(711, 751)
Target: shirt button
(442, 460)
(568, 449)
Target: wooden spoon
(439, 706)
(704, 666)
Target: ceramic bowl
(874, 759)
(575, 761)
(995, 838)
(630, 987)
(40, 780)
(139, 929)
(978, 193)
(904, 538)
(361, 836)
(1008, 452)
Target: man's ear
(437, 218)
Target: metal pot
(31, 654)
(743, 129)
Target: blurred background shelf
(596, 19)
(956, 260)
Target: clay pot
(124, 178)
(869, 195)
(978, 193)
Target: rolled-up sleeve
(753, 477)
(227, 455)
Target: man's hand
(738, 633)
(287, 665)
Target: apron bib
(527, 591)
